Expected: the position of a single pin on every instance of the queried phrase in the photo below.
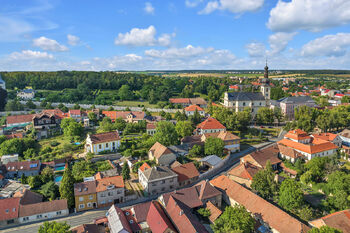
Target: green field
(136, 104)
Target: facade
(45, 124)
(162, 154)
(97, 143)
(9, 210)
(190, 110)
(17, 169)
(26, 94)
(2, 83)
(157, 179)
(231, 141)
(85, 195)
(210, 125)
(289, 104)
(110, 190)
(151, 129)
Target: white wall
(44, 216)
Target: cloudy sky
(174, 34)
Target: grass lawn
(136, 104)
(60, 139)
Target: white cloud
(188, 51)
(192, 3)
(49, 44)
(73, 40)
(234, 6)
(312, 15)
(279, 41)
(256, 49)
(149, 9)
(30, 55)
(329, 45)
(143, 37)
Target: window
(39, 216)
(89, 204)
(163, 189)
(7, 211)
(90, 197)
(10, 221)
(113, 143)
(25, 218)
(81, 206)
(81, 198)
(106, 145)
(243, 103)
(110, 200)
(100, 146)
(58, 213)
(163, 181)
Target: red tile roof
(317, 145)
(157, 219)
(86, 228)
(297, 134)
(9, 208)
(159, 150)
(43, 207)
(76, 112)
(271, 214)
(325, 136)
(23, 166)
(144, 167)
(180, 100)
(261, 156)
(186, 171)
(288, 151)
(28, 197)
(210, 123)
(193, 108)
(141, 211)
(244, 171)
(105, 137)
(151, 126)
(19, 119)
(123, 114)
(116, 181)
(339, 220)
(215, 212)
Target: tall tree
(54, 227)
(67, 187)
(166, 133)
(124, 93)
(214, 146)
(184, 128)
(3, 99)
(264, 183)
(291, 196)
(126, 171)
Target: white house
(190, 110)
(100, 142)
(210, 125)
(26, 94)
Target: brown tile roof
(116, 181)
(123, 114)
(325, 136)
(263, 155)
(157, 219)
(86, 228)
(75, 112)
(141, 210)
(23, 166)
(223, 135)
(180, 100)
(105, 137)
(9, 208)
(175, 164)
(186, 171)
(182, 217)
(43, 207)
(198, 101)
(151, 126)
(84, 188)
(206, 190)
(317, 145)
(159, 150)
(215, 212)
(339, 220)
(345, 133)
(18, 119)
(272, 215)
(210, 123)
(56, 112)
(193, 108)
(297, 134)
(244, 171)
(194, 139)
(28, 197)
(288, 151)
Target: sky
(49, 35)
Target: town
(255, 156)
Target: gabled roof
(28, 197)
(198, 101)
(117, 220)
(297, 134)
(86, 228)
(245, 96)
(141, 210)
(19, 119)
(215, 212)
(9, 208)
(193, 108)
(325, 136)
(186, 171)
(182, 217)
(74, 112)
(261, 156)
(288, 151)
(144, 167)
(271, 214)
(22, 166)
(57, 112)
(43, 207)
(151, 126)
(316, 146)
(105, 137)
(213, 160)
(339, 220)
(244, 171)
(160, 172)
(180, 100)
(206, 190)
(210, 123)
(223, 135)
(84, 188)
(159, 150)
(297, 100)
(112, 182)
(137, 115)
(157, 219)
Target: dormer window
(111, 186)
(7, 211)
(85, 189)
(80, 190)
(127, 213)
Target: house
(345, 137)
(243, 173)
(43, 210)
(151, 128)
(289, 153)
(339, 220)
(192, 140)
(9, 209)
(309, 147)
(185, 102)
(289, 104)
(162, 154)
(215, 212)
(328, 92)
(2, 83)
(190, 110)
(45, 124)
(20, 121)
(26, 94)
(11, 187)
(110, 190)
(266, 214)
(85, 195)
(117, 221)
(17, 169)
(158, 220)
(210, 125)
(187, 173)
(5, 159)
(28, 197)
(128, 116)
(231, 141)
(260, 157)
(76, 114)
(157, 179)
(195, 196)
(331, 137)
(100, 142)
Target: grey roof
(245, 96)
(212, 160)
(296, 99)
(160, 172)
(28, 91)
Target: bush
(54, 143)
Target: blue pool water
(61, 168)
(77, 143)
(58, 179)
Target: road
(88, 216)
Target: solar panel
(33, 165)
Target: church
(238, 101)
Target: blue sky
(182, 34)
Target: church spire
(266, 74)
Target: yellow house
(85, 195)
(97, 143)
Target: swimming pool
(58, 179)
(61, 168)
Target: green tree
(234, 219)
(324, 229)
(50, 190)
(119, 124)
(3, 99)
(184, 128)
(124, 93)
(92, 117)
(82, 169)
(264, 183)
(106, 125)
(291, 196)
(67, 187)
(30, 104)
(196, 118)
(14, 105)
(126, 171)
(214, 146)
(277, 93)
(196, 151)
(24, 179)
(265, 115)
(47, 174)
(34, 181)
(54, 227)
(166, 133)
(71, 128)
(204, 212)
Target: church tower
(265, 84)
